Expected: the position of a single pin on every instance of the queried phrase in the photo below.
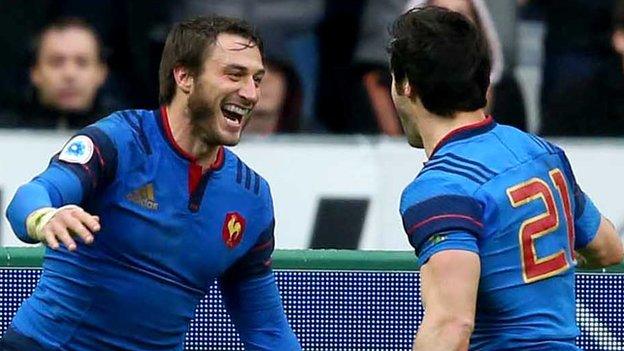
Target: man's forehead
(235, 49)
(69, 39)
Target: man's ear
(183, 78)
(407, 88)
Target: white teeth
(236, 109)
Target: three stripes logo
(144, 196)
(247, 178)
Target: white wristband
(39, 218)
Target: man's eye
(235, 76)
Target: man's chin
(71, 108)
(230, 140)
(417, 143)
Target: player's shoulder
(124, 122)
(127, 127)
(105, 137)
(525, 145)
(498, 151)
(438, 202)
(244, 177)
(438, 185)
(468, 168)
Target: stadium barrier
(318, 181)
(342, 300)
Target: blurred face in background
(617, 39)
(68, 72)
(267, 113)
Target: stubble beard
(203, 120)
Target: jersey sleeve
(91, 156)
(586, 219)
(87, 162)
(256, 310)
(251, 295)
(257, 261)
(433, 209)
(453, 240)
(586, 215)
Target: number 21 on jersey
(536, 268)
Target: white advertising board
(304, 169)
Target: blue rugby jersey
(510, 197)
(168, 231)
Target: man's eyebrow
(236, 67)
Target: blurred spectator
(354, 87)
(18, 20)
(576, 45)
(505, 100)
(592, 105)
(132, 34)
(279, 107)
(66, 73)
(353, 93)
(371, 65)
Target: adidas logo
(144, 196)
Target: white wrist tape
(39, 218)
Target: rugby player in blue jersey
(495, 215)
(143, 210)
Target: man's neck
(185, 136)
(434, 128)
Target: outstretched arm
(253, 300)
(256, 309)
(47, 208)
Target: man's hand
(51, 226)
(581, 261)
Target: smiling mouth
(235, 113)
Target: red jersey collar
(166, 129)
(465, 132)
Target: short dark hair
(189, 43)
(63, 23)
(444, 57)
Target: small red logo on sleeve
(233, 229)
